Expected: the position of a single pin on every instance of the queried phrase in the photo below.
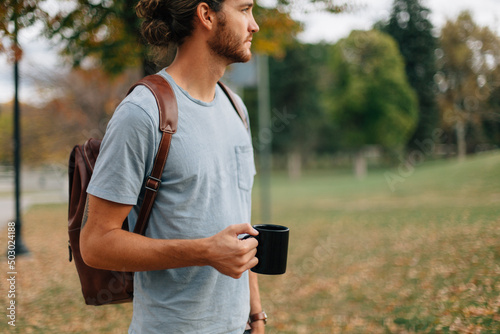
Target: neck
(197, 71)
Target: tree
(296, 104)
(105, 31)
(491, 121)
(369, 96)
(410, 27)
(22, 13)
(469, 83)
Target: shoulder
(138, 106)
(135, 120)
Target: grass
(420, 257)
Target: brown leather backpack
(101, 287)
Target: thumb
(245, 228)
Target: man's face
(233, 35)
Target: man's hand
(230, 255)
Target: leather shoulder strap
(236, 105)
(165, 98)
(167, 107)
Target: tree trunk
(360, 168)
(461, 143)
(294, 165)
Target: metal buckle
(154, 179)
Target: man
(191, 268)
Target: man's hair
(170, 21)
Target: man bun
(155, 28)
(167, 21)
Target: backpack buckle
(153, 184)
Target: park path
(38, 187)
(7, 210)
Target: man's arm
(255, 303)
(105, 245)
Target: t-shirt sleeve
(126, 155)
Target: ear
(205, 15)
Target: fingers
(244, 228)
(253, 262)
(233, 256)
(249, 259)
(248, 265)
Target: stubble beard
(227, 45)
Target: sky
(317, 27)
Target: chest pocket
(245, 167)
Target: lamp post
(20, 248)
(265, 137)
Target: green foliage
(107, 31)
(295, 82)
(409, 25)
(491, 123)
(369, 97)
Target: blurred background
(376, 127)
(351, 83)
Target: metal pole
(265, 138)
(20, 248)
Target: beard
(227, 44)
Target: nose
(253, 26)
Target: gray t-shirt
(206, 186)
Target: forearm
(105, 245)
(125, 251)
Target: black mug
(272, 250)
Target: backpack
(101, 287)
